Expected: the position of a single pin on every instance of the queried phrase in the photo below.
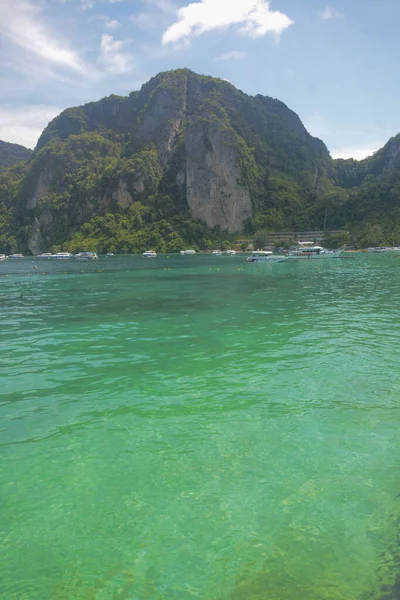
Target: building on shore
(274, 237)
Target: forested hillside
(10, 154)
(188, 160)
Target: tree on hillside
(260, 239)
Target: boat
(231, 252)
(63, 255)
(3, 257)
(149, 254)
(44, 255)
(184, 252)
(16, 256)
(110, 254)
(217, 252)
(265, 256)
(307, 250)
(86, 256)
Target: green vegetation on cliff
(181, 160)
(10, 154)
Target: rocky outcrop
(43, 188)
(212, 178)
(122, 195)
(161, 122)
(392, 153)
(41, 226)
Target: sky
(335, 64)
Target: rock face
(122, 196)
(42, 224)
(10, 154)
(212, 176)
(392, 153)
(43, 187)
(195, 139)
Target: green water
(197, 427)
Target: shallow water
(198, 427)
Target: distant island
(187, 161)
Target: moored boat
(307, 250)
(231, 252)
(149, 254)
(184, 252)
(265, 256)
(3, 257)
(62, 255)
(86, 256)
(44, 255)
(16, 256)
(217, 252)
(110, 254)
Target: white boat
(110, 254)
(3, 257)
(86, 256)
(307, 250)
(44, 255)
(149, 254)
(231, 252)
(183, 252)
(265, 256)
(63, 255)
(16, 256)
(217, 252)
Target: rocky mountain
(188, 159)
(10, 154)
(185, 147)
(352, 173)
(365, 196)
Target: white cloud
(233, 55)
(330, 12)
(105, 22)
(20, 23)
(356, 152)
(254, 18)
(87, 4)
(112, 24)
(24, 124)
(112, 56)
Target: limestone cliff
(185, 145)
(212, 176)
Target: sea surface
(200, 427)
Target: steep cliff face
(10, 154)
(42, 189)
(189, 145)
(391, 154)
(212, 176)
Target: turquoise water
(198, 427)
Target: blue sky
(333, 63)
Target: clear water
(197, 427)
